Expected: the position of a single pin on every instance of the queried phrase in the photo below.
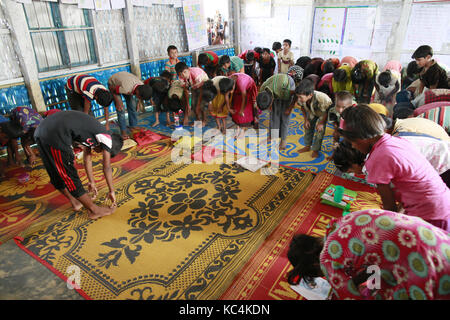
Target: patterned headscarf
(298, 76)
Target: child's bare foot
(329, 158)
(155, 124)
(304, 149)
(170, 123)
(101, 212)
(76, 205)
(283, 145)
(315, 154)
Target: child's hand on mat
(93, 189)
(112, 197)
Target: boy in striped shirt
(82, 89)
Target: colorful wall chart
(327, 29)
(194, 18)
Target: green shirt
(280, 85)
(236, 64)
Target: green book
(328, 197)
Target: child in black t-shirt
(56, 136)
(433, 76)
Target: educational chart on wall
(194, 18)
(327, 29)
(428, 23)
(359, 26)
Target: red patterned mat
(264, 277)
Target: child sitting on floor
(314, 105)
(9, 133)
(394, 161)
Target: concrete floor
(24, 278)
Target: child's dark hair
(325, 89)
(209, 91)
(344, 156)
(304, 255)
(166, 74)
(289, 42)
(358, 76)
(328, 67)
(180, 67)
(305, 87)
(422, 52)
(250, 56)
(403, 110)
(264, 99)
(412, 69)
(362, 122)
(226, 85)
(303, 61)
(171, 47)
(161, 86)
(258, 50)
(343, 95)
(267, 50)
(389, 122)
(174, 104)
(11, 129)
(312, 68)
(224, 59)
(103, 97)
(145, 91)
(339, 75)
(384, 78)
(202, 59)
(117, 143)
(276, 46)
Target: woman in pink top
(243, 101)
(400, 172)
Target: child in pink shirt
(400, 172)
(193, 79)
